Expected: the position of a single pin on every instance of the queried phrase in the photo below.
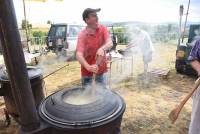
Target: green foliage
(39, 33)
(49, 22)
(121, 34)
(158, 33)
(24, 23)
(165, 33)
(38, 37)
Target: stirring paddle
(176, 111)
(98, 62)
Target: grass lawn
(148, 104)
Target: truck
(182, 64)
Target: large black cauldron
(37, 85)
(102, 115)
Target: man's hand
(198, 73)
(196, 66)
(130, 45)
(100, 52)
(92, 68)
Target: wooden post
(16, 67)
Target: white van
(63, 37)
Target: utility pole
(26, 27)
(186, 20)
(180, 23)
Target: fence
(34, 43)
(125, 37)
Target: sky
(70, 11)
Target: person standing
(93, 42)
(194, 59)
(142, 40)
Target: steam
(86, 95)
(138, 59)
(47, 62)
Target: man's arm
(130, 45)
(134, 43)
(107, 42)
(83, 62)
(108, 45)
(196, 66)
(194, 57)
(80, 57)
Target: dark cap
(87, 11)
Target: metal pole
(186, 20)
(26, 27)
(16, 67)
(180, 23)
(55, 71)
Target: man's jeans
(100, 79)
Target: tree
(24, 23)
(49, 22)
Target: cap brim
(97, 10)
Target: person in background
(194, 59)
(93, 42)
(142, 40)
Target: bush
(39, 33)
(38, 37)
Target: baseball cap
(87, 11)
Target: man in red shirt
(93, 42)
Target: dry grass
(148, 104)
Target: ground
(148, 100)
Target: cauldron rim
(81, 124)
(36, 75)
